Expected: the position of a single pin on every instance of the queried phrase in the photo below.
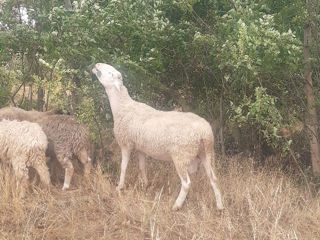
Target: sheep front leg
(87, 166)
(84, 158)
(68, 174)
(125, 152)
(142, 166)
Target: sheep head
(108, 76)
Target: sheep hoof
(220, 207)
(119, 188)
(64, 188)
(222, 212)
(176, 207)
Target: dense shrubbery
(223, 60)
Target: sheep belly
(161, 142)
(161, 134)
(153, 145)
(158, 156)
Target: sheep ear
(117, 85)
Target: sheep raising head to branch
(184, 138)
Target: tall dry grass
(261, 203)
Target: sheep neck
(117, 99)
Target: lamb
(184, 138)
(67, 137)
(23, 145)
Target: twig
(300, 169)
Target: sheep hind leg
(185, 186)
(125, 152)
(68, 174)
(213, 181)
(142, 166)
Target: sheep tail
(208, 144)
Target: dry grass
(260, 204)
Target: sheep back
(14, 113)
(66, 135)
(21, 138)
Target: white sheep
(184, 138)
(23, 145)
